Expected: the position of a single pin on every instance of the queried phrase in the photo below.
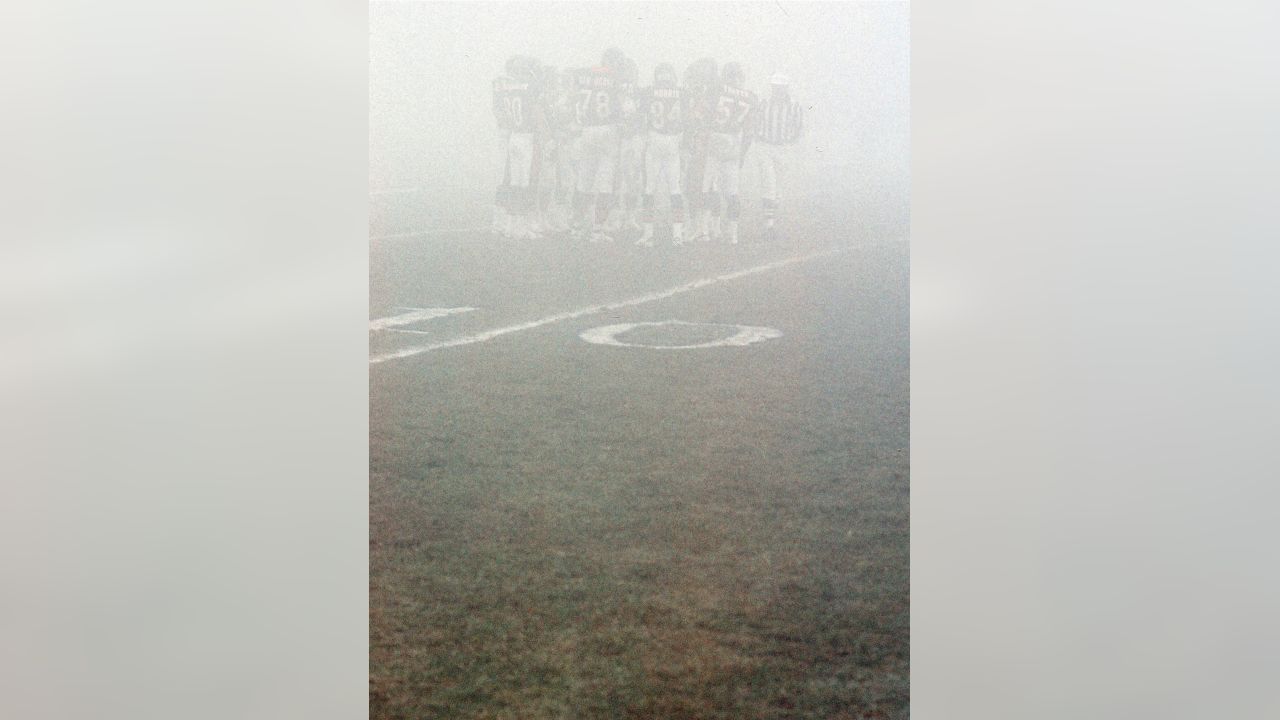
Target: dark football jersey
(633, 121)
(699, 107)
(732, 106)
(597, 98)
(516, 104)
(663, 109)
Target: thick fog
(431, 65)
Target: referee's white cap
(779, 79)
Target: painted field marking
(745, 335)
(419, 233)
(413, 315)
(593, 309)
(394, 191)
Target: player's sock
(647, 215)
(581, 204)
(604, 202)
(770, 207)
(713, 202)
(634, 210)
(734, 212)
(527, 212)
(501, 200)
(677, 218)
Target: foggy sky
(431, 65)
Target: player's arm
(540, 123)
(748, 131)
(498, 110)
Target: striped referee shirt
(780, 123)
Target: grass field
(567, 530)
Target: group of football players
(586, 151)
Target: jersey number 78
(587, 99)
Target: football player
(516, 96)
(502, 197)
(700, 80)
(566, 130)
(546, 169)
(598, 110)
(662, 108)
(731, 119)
(629, 183)
(779, 126)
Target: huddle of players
(579, 146)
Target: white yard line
(413, 315)
(593, 309)
(394, 191)
(419, 233)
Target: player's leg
(605, 181)
(677, 199)
(709, 224)
(636, 188)
(733, 208)
(782, 161)
(695, 177)
(524, 199)
(502, 196)
(588, 166)
(702, 229)
(583, 193)
(566, 180)
(767, 169)
(724, 150)
(651, 176)
(612, 222)
(538, 171)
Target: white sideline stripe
(591, 310)
(394, 191)
(416, 233)
(414, 315)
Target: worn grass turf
(566, 530)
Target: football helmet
(629, 72)
(664, 75)
(733, 75)
(613, 58)
(701, 73)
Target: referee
(779, 125)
